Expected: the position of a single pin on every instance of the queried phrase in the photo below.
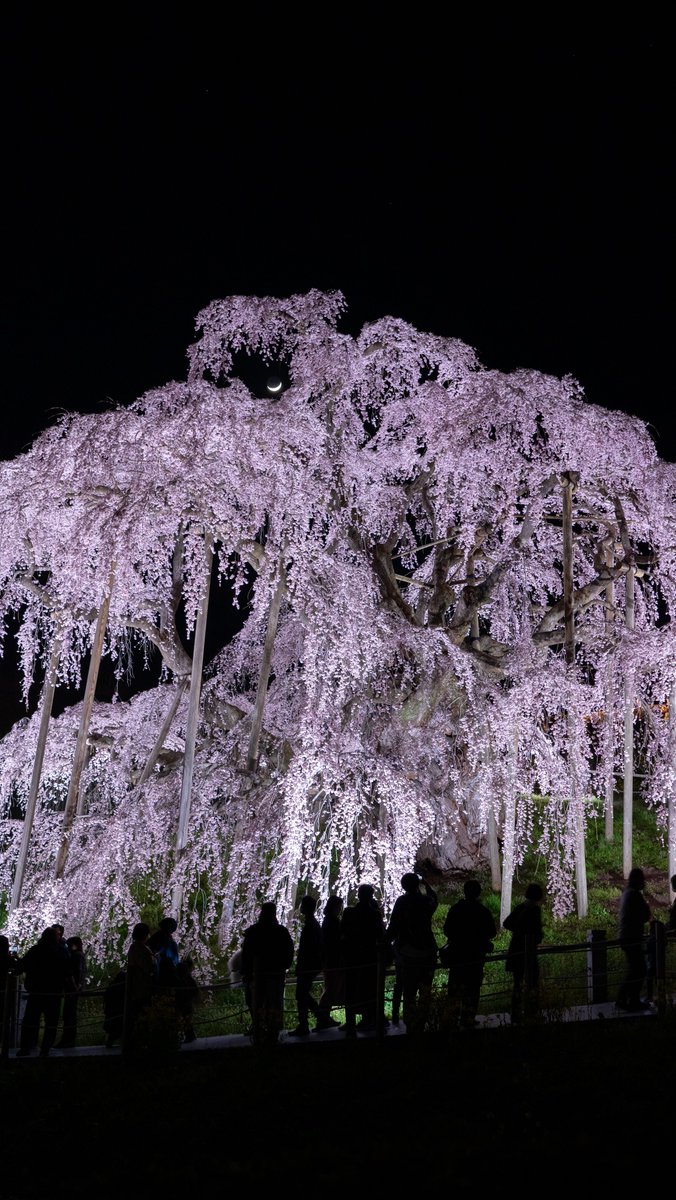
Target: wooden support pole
(48, 689)
(263, 678)
(568, 606)
(628, 788)
(166, 725)
(609, 730)
(508, 834)
(83, 732)
(597, 966)
(671, 828)
(193, 718)
(569, 645)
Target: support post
(628, 787)
(8, 1030)
(48, 689)
(261, 693)
(659, 933)
(569, 644)
(83, 732)
(671, 828)
(193, 718)
(610, 704)
(154, 753)
(597, 966)
(380, 993)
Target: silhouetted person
(47, 976)
(469, 928)
(308, 966)
(397, 987)
(164, 946)
(634, 915)
(267, 954)
(236, 978)
(78, 969)
(9, 965)
(363, 938)
(141, 976)
(60, 931)
(415, 947)
(187, 996)
(333, 995)
(113, 1008)
(524, 923)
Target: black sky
(508, 187)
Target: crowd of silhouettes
(339, 965)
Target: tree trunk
(48, 689)
(83, 732)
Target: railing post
(125, 1040)
(660, 965)
(380, 992)
(597, 966)
(8, 1011)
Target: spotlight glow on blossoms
(444, 583)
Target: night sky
(508, 187)
(513, 194)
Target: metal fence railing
(571, 977)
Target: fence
(572, 976)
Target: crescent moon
(275, 387)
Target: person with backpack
(414, 945)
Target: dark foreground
(540, 1108)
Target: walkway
(585, 1012)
